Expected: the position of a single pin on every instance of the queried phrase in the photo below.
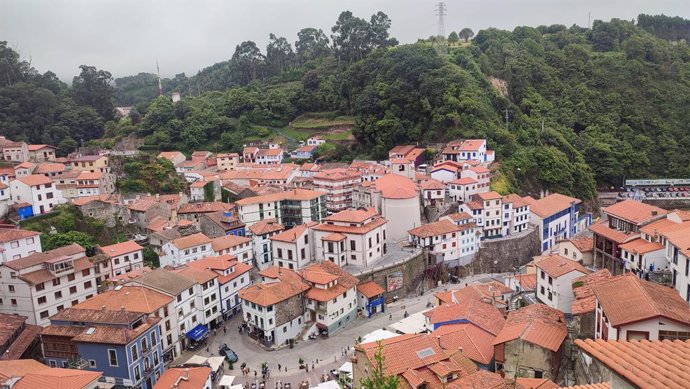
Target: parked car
(229, 355)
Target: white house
(17, 243)
(233, 276)
(185, 249)
(462, 189)
(122, 257)
(292, 248)
(628, 307)
(515, 214)
(41, 284)
(315, 141)
(555, 276)
(370, 298)
(433, 192)
(271, 156)
(480, 174)
(556, 217)
(290, 208)
(355, 236)
(207, 293)
(261, 244)
(443, 240)
(331, 301)
(37, 190)
(239, 246)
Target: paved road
(330, 352)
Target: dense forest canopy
(585, 107)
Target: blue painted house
(222, 223)
(370, 298)
(557, 217)
(303, 152)
(125, 346)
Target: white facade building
(239, 246)
(185, 249)
(555, 276)
(122, 257)
(292, 248)
(261, 233)
(17, 243)
(37, 190)
(331, 301)
(40, 285)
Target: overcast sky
(127, 36)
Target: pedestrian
(312, 365)
(317, 361)
(215, 331)
(306, 367)
(286, 369)
(225, 331)
(390, 316)
(254, 374)
(279, 367)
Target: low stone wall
(412, 269)
(669, 203)
(508, 253)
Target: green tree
(279, 54)
(248, 61)
(151, 258)
(67, 145)
(351, 37)
(378, 379)
(92, 87)
(53, 241)
(311, 44)
(466, 34)
(453, 37)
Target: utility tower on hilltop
(441, 12)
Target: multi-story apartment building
(207, 293)
(290, 208)
(94, 184)
(556, 217)
(292, 248)
(449, 243)
(515, 214)
(37, 190)
(233, 276)
(555, 276)
(227, 161)
(91, 163)
(270, 156)
(186, 249)
(182, 290)
(239, 246)
(121, 258)
(141, 299)
(331, 301)
(17, 243)
(261, 233)
(338, 185)
(14, 151)
(274, 308)
(355, 237)
(468, 150)
(462, 189)
(42, 284)
(124, 345)
(486, 209)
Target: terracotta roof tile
(432, 184)
(370, 289)
(491, 292)
(436, 228)
(337, 174)
(537, 324)
(395, 186)
(634, 211)
(374, 223)
(228, 241)
(266, 226)
(115, 335)
(117, 249)
(483, 315)
(36, 258)
(645, 364)
(489, 195)
(556, 266)
(601, 385)
(680, 239)
(201, 276)
(484, 380)
(582, 243)
(464, 181)
(12, 234)
(602, 228)
(171, 378)
(536, 383)
(641, 246)
(188, 241)
(517, 201)
(550, 204)
(585, 302)
(324, 273)
(295, 194)
(19, 368)
(459, 216)
(475, 343)
(293, 233)
(265, 294)
(527, 282)
(205, 207)
(59, 378)
(34, 180)
(352, 215)
(131, 298)
(165, 281)
(627, 299)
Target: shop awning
(197, 333)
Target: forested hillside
(585, 107)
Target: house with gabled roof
(556, 217)
(555, 276)
(186, 249)
(631, 308)
(262, 245)
(530, 344)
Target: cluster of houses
(589, 312)
(284, 245)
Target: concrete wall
(524, 358)
(513, 251)
(412, 270)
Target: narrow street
(330, 352)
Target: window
(73, 289)
(541, 290)
(40, 286)
(42, 300)
(137, 373)
(135, 352)
(280, 253)
(154, 339)
(92, 364)
(70, 277)
(56, 281)
(14, 244)
(58, 295)
(85, 272)
(11, 287)
(87, 284)
(44, 315)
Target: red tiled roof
(19, 368)
(188, 241)
(556, 266)
(34, 180)
(527, 281)
(374, 223)
(352, 215)
(459, 216)
(517, 201)
(484, 380)
(489, 195)
(601, 385)
(432, 184)
(585, 302)
(12, 234)
(487, 292)
(582, 243)
(115, 335)
(464, 181)
(475, 343)
(641, 246)
(644, 364)
(633, 211)
(370, 289)
(436, 228)
(228, 241)
(205, 207)
(266, 226)
(324, 273)
(58, 378)
(200, 276)
(131, 298)
(627, 298)
(395, 186)
(550, 204)
(196, 378)
(265, 294)
(117, 249)
(602, 228)
(36, 258)
(294, 194)
(680, 239)
(292, 234)
(481, 314)
(536, 383)
(537, 324)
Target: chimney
(122, 309)
(654, 213)
(186, 373)
(158, 196)
(103, 308)
(438, 339)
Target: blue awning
(197, 333)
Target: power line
(441, 12)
